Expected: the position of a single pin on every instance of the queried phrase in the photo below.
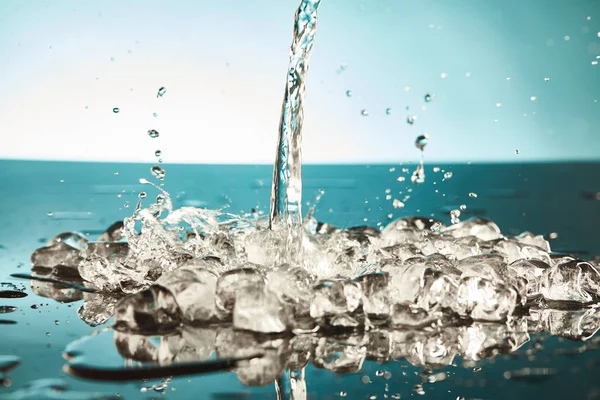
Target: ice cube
(114, 233)
(406, 282)
(401, 251)
(481, 228)
(107, 249)
(96, 308)
(114, 274)
(257, 309)
(194, 291)
(151, 311)
(534, 240)
(513, 250)
(266, 247)
(485, 300)
(404, 315)
(57, 254)
(438, 290)
(340, 356)
(293, 286)
(571, 281)
(336, 299)
(231, 282)
(531, 271)
(451, 247)
(376, 301)
(440, 348)
(73, 239)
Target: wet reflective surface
(471, 360)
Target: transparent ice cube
(257, 309)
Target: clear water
(193, 290)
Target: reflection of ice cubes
(341, 356)
(57, 254)
(404, 315)
(336, 300)
(571, 281)
(231, 282)
(257, 309)
(135, 347)
(194, 291)
(191, 344)
(153, 310)
(483, 300)
(483, 340)
(573, 324)
(73, 239)
(96, 308)
(114, 233)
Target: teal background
(223, 63)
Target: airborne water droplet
(349, 93)
(158, 153)
(473, 195)
(161, 91)
(418, 175)
(533, 98)
(411, 119)
(428, 97)
(364, 112)
(116, 110)
(142, 195)
(158, 172)
(517, 151)
(153, 133)
(447, 175)
(421, 141)
(388, 111)
(50, 213)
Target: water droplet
(418, 389)
(422, 141)
(428, 97)
(546, 79)
(112, 59)
(365, 379)
(448, 175)
(468, 74)
(48, 334)
(343, 394)
(598, 34)
(498, 105)
(161, 91)
(56, 322)
(517, 151)
(595, 62)
(567, 38)
(418, 175)
(401, 179)
(387, 374)
(473, 195)
(343, 67)
(364, 112)
(463, 207)
(454, 214)
(126, 205)
(396, 396)
(158, 172)
(50, 213)
(533, 98)
(407, 88)
(553, 235)
(589, 18)
(116, 110)
(153, 133)
(443, 75)
(119, 195)
(388, 111)
(411, 119)
(154, 115)
(158, 153)
(348, 93)
(397, 204)
(142, 195)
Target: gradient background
(65, 64)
